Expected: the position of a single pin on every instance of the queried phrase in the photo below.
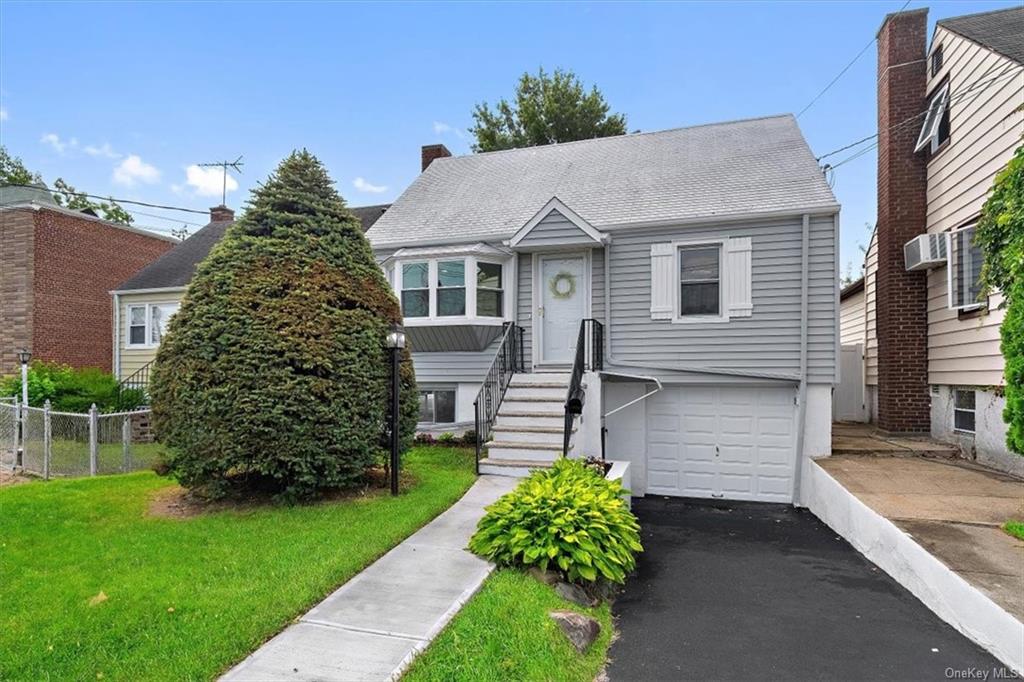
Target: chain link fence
(76, 444)
(8, 431)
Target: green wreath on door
(555, 285)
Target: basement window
(437, 406)
(963, 410)
(935, 130)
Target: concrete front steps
(528, 428)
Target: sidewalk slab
(375, 624)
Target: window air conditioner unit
(925, 251)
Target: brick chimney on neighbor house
(901, 299)
(221, 214)
(432, 152)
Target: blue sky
(122, 99)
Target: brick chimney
(222, 213)
(430, 153)
(901, 299)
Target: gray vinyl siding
(766, 342)
(554, 230)
(597, 284)
(454, 367)
(524, 302)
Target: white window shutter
(663, 281)
(737, 277)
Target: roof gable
(554, 225)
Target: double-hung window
(489, 291)
(416, 289)
(964, 271)
(700, 280)
(963, 410)
(147, 323)
(451, 288)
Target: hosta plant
(568, 518)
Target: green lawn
(71, 457)
(186, 598)
(504, 633)
(1015, 528)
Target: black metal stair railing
(589, 357)
(507, 361)
(133, 391)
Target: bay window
(489, 292)
(451, 288)
(415, 290)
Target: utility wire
(119, 201)
(846, 68)
(957, 96)
(170, 219)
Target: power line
(163, 217)
(957, 96)
(119, 201)
(847, 67)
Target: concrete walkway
(375, 624)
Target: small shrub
(446, 438)
(568, 518)
(67, 389)
(469, 437)
(424, 439)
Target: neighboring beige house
(144, 303)
(973, 94)
(851, 313)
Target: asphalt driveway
(753, 591)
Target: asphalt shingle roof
(176, 267)
(758, 165)
(1001, 31)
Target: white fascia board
(154, 290)
(555, 204)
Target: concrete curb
(951, 597)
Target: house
(949, 120)
(681, 285)
(56, 268)
(145, 302)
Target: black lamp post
(395, 343)
(24, 355)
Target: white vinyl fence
(77, 444)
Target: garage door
(732, 443)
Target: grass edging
(1014, 528)
(504, 632)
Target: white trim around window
(470, 290)
(145, 323)
(963, 271)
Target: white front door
(730, 442)
(564, 292)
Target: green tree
(274, 372)
(1000, 233)
(548, 108)
(14, 172)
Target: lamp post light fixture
(24, 355)
(395, 342)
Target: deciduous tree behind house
(274, 370)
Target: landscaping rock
(546, 577)
(575, 594)
(581, 630)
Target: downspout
(802, 391)
(117, 336)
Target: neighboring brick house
(57, 267)
(145, 302)
(949, 120)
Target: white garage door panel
(734, 443)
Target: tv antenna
(235, 165)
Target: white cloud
(133, 169)
(364, 186)
(208, 182)
(104, 150)
(3, 114)
(59, 145)
(441, 128)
